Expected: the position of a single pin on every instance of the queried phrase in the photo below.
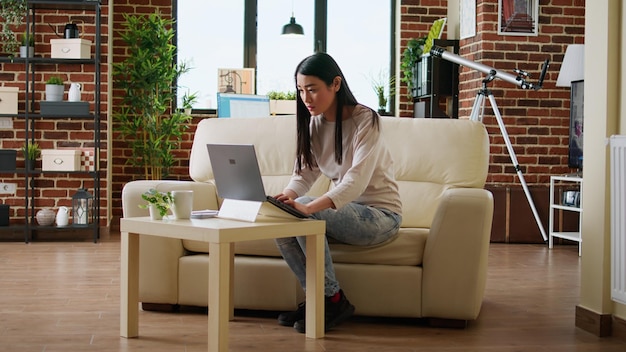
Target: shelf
(560, 181)
(45, 60)
(436, 90)
(572, 236)
(566, 207)
(33, 66)
(64, 4)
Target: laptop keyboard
(286, 207)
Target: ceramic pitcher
(74, 93)
(63, 216)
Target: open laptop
(237, 176)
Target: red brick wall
(535, 121)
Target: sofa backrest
(430, 156)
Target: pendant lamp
(292, 28)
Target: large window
(210, 36)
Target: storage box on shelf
(60, 160)
(8, 100)
(74, 48)
(7, 159)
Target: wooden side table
(221, 234)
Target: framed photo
(518, 17)
(235, 80)
(467, 9)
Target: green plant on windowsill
(188, 101)
(276, 95)
(162, 201)
(380, 84)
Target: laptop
(237, 176)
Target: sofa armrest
(158, 256)
(455, 257)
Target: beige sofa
(435, 268)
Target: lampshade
(292, 28)
(573, 67)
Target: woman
(340, 139)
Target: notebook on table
(239, 183)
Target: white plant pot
(54, 92)
(283, 107)
(26, 51)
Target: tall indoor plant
(146, 117)
(12, 13)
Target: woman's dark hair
(324, 67)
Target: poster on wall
(467, 13)
(518, 17)
(235, 80)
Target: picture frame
(236, 80)
(518, 17)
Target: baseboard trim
(600, 325)
(619, 328)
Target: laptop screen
(236, 171)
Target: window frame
(319, 40)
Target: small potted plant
(188, 101)
(28, 45)
(31, 153)
(158, 203)
(282, 103)
(54, 89)
(380, 85)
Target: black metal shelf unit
(436, 84)
(30, 115)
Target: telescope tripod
(478, 111)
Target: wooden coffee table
(221, 234)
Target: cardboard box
(8, 100)
(7, 159)
(60, 160)
(64, 108)
(74, 48)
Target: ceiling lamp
(292, 28)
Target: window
(210, 35)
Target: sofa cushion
(405, 249)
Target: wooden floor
(64, 296)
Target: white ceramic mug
(183, 204)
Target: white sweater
(366, 175)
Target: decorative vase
(45, 217)
(74, 93)
(154, 213)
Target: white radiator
(618, 218)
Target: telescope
(478, 108)
(518, 80)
